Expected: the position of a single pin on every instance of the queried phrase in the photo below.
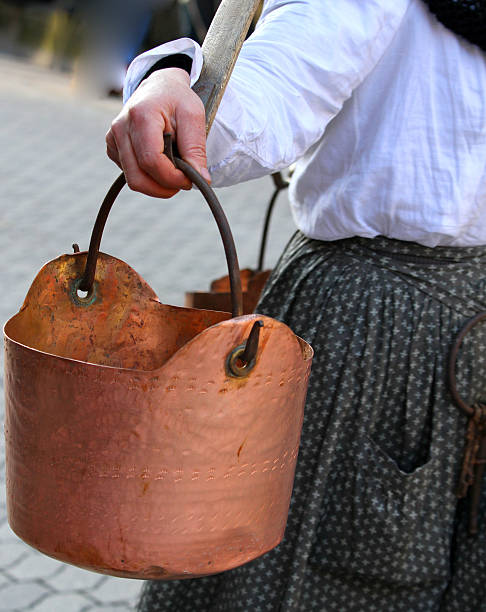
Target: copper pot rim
(306, 349)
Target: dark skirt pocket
(380, 522)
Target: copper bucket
(146, 440)
(252, 280)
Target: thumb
(191, 134)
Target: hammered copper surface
(130, 449)
(219, 296)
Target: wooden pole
(220, 50)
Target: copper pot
(252, 280)
(146, 440)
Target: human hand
(163, 103)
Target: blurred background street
(54, 174)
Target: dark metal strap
(469, 410)
(87, 280)
(280, 184)
(474, 461)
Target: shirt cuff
(142, 63)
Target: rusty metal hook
(474, 460)
(87, 280)
(242, 359)
(469, 410)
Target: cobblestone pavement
(53, 175)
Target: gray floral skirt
(374, 523)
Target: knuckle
(116, 129)
(198, 153)
(148, 160)
(114, 158)
(200, 110)
(192, 108)
(110, 139)
(110, 153)
(136, 114)
(196, 149)
(199, 148)
(133, 183)
(197, 102)
(195, 114)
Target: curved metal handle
(280, 183)
(87, 280)
(469, 410)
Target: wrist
(179, 62)
(167, 79)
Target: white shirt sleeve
(142, 63)
(292, 77)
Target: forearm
(292, 77)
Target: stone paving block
(73, 602)
(76, 579)
(119, 608)
(12, 552)
(35, 566)
(116, 590)
(4, 580)
(6, 534)
(22, 596)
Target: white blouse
(382, 107)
